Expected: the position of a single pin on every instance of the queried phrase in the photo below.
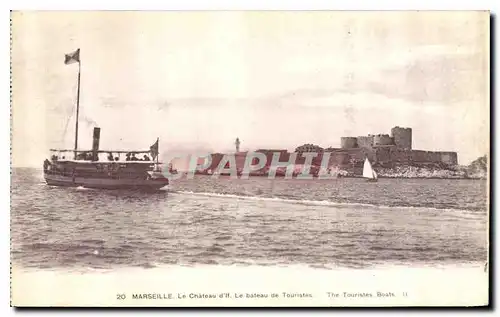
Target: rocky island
(392, 156)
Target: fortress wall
(433, 157)
(419, 156)
(400, 156)
(389, 155)
(338, 158)
(317, 160)
(449, 157)
(383, 154)
(284, 155)
(382, 139)
(365, 141)
(347, 158)
(370, 153)
(300, 159)
(355, 155)
(358, 155)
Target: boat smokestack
(95, 143)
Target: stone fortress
(383, 150)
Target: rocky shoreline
(458, 172)
(398, 172)
(433, 171)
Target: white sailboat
(368, 172)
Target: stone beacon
(237, 144)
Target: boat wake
(316, 202)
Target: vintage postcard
(247, 158)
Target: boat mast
(77, 107)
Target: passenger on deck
(110, 157)
(146, 158)
(117, 158)
(127, 157)
(134, 158)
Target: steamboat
(104, 169)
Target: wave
(308, 202)
(153, 268)
(83, 188)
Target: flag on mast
(72, 57)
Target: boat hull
(103, 183)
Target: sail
(368, 172)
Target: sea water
(266, 225)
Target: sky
(198, 80)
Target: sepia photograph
(250, 158)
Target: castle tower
(365, 141)
(402, 137)
(237, 143)
(348, 142)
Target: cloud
(442, 79)
(273, 79)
